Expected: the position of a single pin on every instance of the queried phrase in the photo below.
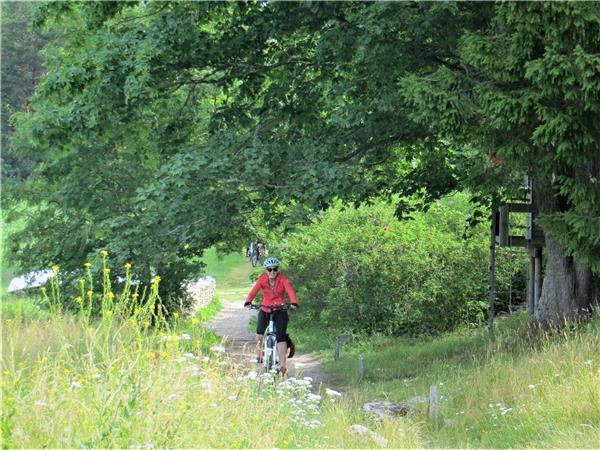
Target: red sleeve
(290, 291)
(254, 290)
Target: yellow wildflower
(146, 323)
(55, 269)
(66, 371)
(132, 322)
(87, 265)
(108, 313)
(156, 279)
(110, 295)
(43, 290)
(79, 300)
(149, 354)
(8, 321)
(81, 281)
(107, 270)
(127, 266)
(104, 253)
(176, 315)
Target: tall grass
(129, 378)
(526, 388)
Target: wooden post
(538, 276)
(531, 284)
(342, 338)
(492, 277)
(433, 404)
(361, 368)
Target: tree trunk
(569, 290)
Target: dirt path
(232, 324)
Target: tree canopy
(163, 126)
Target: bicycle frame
(270, 352)
(271, 355)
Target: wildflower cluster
(498, 410)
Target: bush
(362, 270)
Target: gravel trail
(232, 324)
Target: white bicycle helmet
(271, 262)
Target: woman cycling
(273, 284)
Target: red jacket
(272, 296)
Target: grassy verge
(527, 388)
(131, 379)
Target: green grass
(528, 388)
(117, 382)
(232, 271)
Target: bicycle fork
(271, 354)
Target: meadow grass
(131, 378)
(231, 270)
(527, 388)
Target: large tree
(21, 70)
(283, 107)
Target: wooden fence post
(338, 344)
(433, 404)
(361, 368)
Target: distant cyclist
(274, 285)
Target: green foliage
(528, 92)
(192, 116)
(362, 270)
(21, 70)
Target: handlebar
(271, 308)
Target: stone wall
(202, 291)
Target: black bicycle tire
(253, 260)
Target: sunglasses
(272, 269)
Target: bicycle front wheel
(269, 354)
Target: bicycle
(270, 353)
(253, 254)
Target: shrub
(363, 270)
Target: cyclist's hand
(293, 306)
(247, 304)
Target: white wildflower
(185, 337)
(218, 349)
(75, 384)
(332, 393)
(589, 362)
(531, 386)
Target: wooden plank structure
(532, 240)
